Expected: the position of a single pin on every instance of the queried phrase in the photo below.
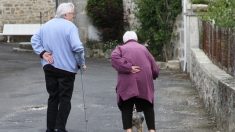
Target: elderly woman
(136, 69)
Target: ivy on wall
(157, 19)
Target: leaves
(107, 16)
(221, 12)
(157, 19)
(200, 1)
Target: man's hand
(135, 69)
(84, 67)
(48, 57)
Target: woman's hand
(135, 69)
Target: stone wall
(129, 8)
(25, 11)
(216, 88)
(40, 11)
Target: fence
(219, 45)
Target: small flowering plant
(110, 44)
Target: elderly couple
(62, 55)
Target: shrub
(107, 16)
(110, 45)
(157, 19)
(200, 1)
(221, 12)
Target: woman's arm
(119, 62)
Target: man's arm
(75, 41)
(77, 47)
(80, 59)
(37, 44)
(39, 49)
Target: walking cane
(84, 100)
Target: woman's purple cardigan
(139, 84)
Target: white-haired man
(62, 53)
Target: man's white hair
(64, 8)
(129, 35)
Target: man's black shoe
(50, 130)
(59, 130)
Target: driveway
(23, 98)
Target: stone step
(24, 46)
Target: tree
(221, 12)
(157, 19)
(107, 16)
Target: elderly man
(62, 53)
(136, 70)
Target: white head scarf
(129, 35)
(64, 8)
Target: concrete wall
(192, 37)
(81, 19)
(176, 48)
(86, 29)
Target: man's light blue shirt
(61, 38)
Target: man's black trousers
(60, 88)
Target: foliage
(200, 1)
(91, 44)
(110, 44)
(221, 12)
(107, 16)
(157, 19)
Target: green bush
(110, 45)
(157, 19)
(107, 16)
(221, 12)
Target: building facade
(40, 11)
(25, 11)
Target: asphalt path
(23, 98)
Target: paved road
(23, 98)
